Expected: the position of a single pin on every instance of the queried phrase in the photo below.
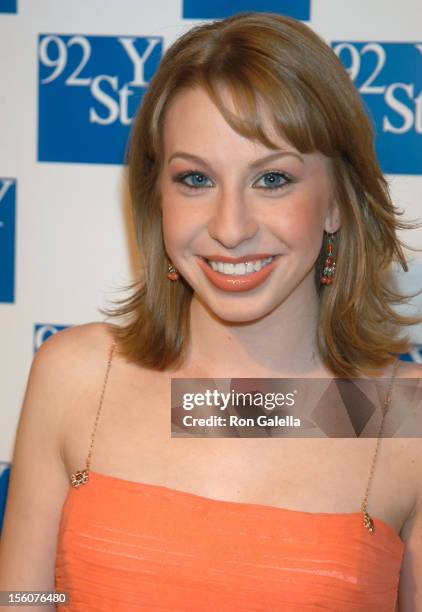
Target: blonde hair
(315, 107)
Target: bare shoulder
(410, 449)
(59, 380)
(408, 369)
(410, 593)
(79, 342)
(78, 355)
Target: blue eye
(274, 180)
(199, 179)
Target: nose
(233, 218)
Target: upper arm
(38, 480)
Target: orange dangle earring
(172, 273)
(330, 263)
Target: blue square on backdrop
(8, 6)
(219, 9)
(7, 239)
(89, 88)
(4, 487)
(388, 75)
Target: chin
(238, 313)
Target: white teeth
(240, 269)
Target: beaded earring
(172, 273)
(329, 270)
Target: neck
(280, 344)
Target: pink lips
(233, 282)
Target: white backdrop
(73, 243)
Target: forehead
(194, 124)
(193, 119)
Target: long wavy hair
(315, 107)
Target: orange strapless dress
(126, 546)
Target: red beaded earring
(172, 273)
(330, 264)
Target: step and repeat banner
(72, 75)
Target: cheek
(303, 223)
(172, 229)
(178, 222)
(172, 205)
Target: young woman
(267, 237)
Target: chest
(133, 442)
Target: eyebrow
(255, 164)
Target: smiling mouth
(237, 277)
(239, 269)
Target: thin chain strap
(81, 476)
(367, 520)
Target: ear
(333, 218)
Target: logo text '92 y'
(388, 75)
(89, 88)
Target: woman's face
(226, 196)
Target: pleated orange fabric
(126, 546)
